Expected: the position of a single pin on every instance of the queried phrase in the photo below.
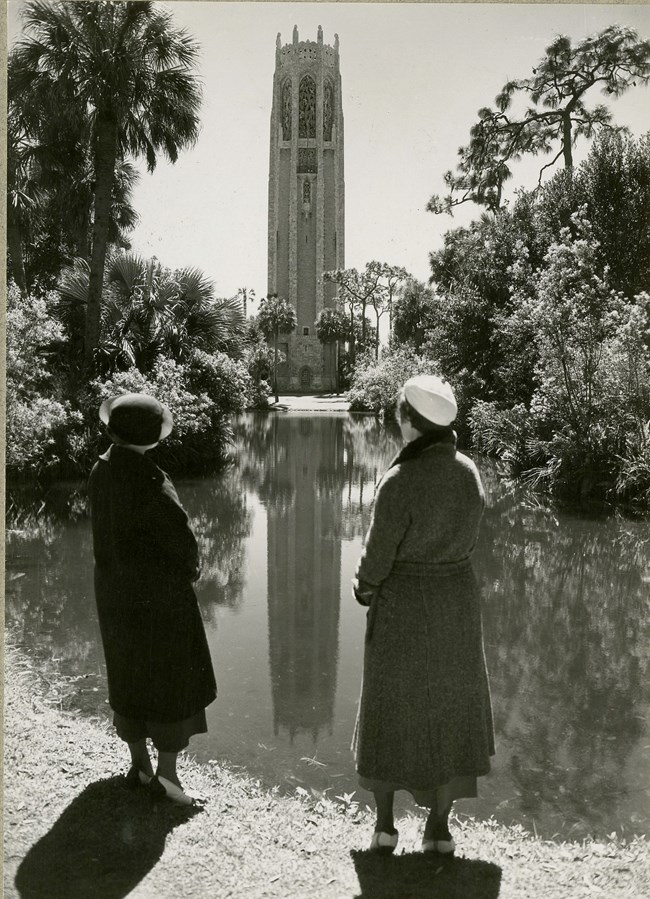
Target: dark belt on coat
(431, 568)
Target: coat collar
(425, 442)
(122, 457)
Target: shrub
(223, 380)
(376, 385)
(38, 417)
(202, 430)
(592, 388)
(633, 477)
(585, 431)
(502, 432)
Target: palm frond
(194, 287)
(126, 272)
(74, 282)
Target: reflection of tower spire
(304, 572)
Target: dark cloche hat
(137, 418)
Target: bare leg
(140, 757)
(167, 767)
(437, 827)
(384, 802)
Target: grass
(74, 831)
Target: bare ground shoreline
(73, 831)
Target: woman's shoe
(443, 847)
(162, 788)
(136, 778)
(383, 842)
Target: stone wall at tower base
(310, 366)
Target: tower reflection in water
(304, 572)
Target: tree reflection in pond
(45, 593)
(568, 647)
(368, 450)
(221, 521)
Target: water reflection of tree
(260, 458)
(50, 562)
(567, 640)
(368, 450)
(49, 601)
(221, 521)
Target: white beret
(433, 398)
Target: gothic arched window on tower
(307, 107)
(328, 97)
(286, 110)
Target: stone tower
(306, 201)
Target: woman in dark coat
(159, 671)
(425, 719)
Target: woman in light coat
(425, 719)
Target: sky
(413, 77)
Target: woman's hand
(362, 592)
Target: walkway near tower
(328, 402)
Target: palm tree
(246, 295)
(332, 328)
(150, 311)
(50, 181)
(132, 71)
(24, 199)
(276, 316)
(203, 321)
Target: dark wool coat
(425, 715)
(157, 658)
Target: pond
(566, 623)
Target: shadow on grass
(416, 875)
(105, 842)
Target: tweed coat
(146, 558)
(425, 716)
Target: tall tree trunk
(337, 356)
(352, 340)
(105, 156)
(81, 242)
(15, 244)
(275, 367)
(566, 140)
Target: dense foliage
(375, 386)
(193, 352)
(91, 88)
(40, 421)
(119, 81)
(539, 315)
